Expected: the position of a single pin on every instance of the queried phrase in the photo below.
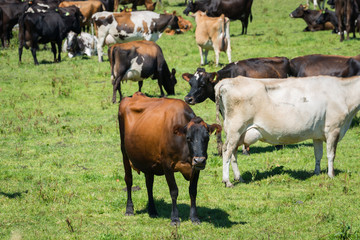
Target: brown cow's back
(148, 131)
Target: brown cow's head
(197, 134)
(202, 86)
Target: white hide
(89, 41)
(285, 112)
(109, 34)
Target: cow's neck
(162, 23)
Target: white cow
(130, 26)
(286, 112)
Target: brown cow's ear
(179, 130)
(174, 13)
(187, 76)
(213, 127)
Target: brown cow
(184, 25)
(87, 9)
(318, 64)
(212, 33)
(160, 137)
(347, 12)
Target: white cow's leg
(217, 53)
(331, 144)
(315, 4)
(318, 151)
(100, 45)
(201, 55)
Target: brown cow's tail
(218, 134)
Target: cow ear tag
(67, 14)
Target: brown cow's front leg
(149, 185)
(174, 194)
(193, 192)
(128, 181)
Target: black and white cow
(51, 26)
(83, 44)
(137, 61)
(130, 26)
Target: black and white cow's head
(202, 86)
(190, 7)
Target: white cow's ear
(179, 130)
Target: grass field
(61, 172)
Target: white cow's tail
(218, 135)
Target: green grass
(61, 172)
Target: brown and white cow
(212, 33)
(87, 9)
(137, 61)
(130, 26)
(318, 64)
(160, 137)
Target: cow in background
(347, 12)
(184, 25)
(310, 17)
(83, 44)
(51, 26)
(149, 5)
(233, 9)
(137, 61)
(315, 2)
(329, 16)
(87, 9)
(9, 17)
(318, 64)
(286, 111)
(130, 26)
(173, 139)
(212, 33)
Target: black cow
(318, 64)
(329, 16)
(9, 17)
(310, 17)
(233, 9)
(137, 61)
(52, 26)
(203, 83)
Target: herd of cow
(252, 95)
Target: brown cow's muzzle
(199, 163)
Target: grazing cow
(286, 112)
(332, 65)
(315, 2)
(329, 16)
(87, 9)
(184, 25)
(347, 12)
(310, 17)
(233, 9)
(83, 44)
(51, 26)
(212, 33)
(130, 26)
(137, 61)
(9, 17)
(150, 6)
(172, 138)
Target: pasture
(61, 171)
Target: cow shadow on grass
(12, 195)
(219, 218)
(279, 170)
(271, 148)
